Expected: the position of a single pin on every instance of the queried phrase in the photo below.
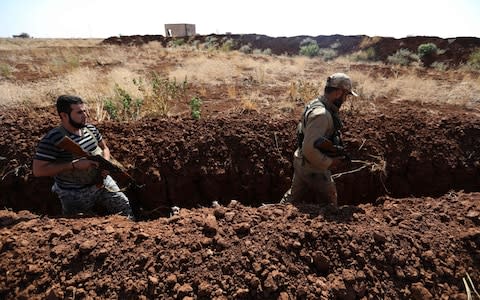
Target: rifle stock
(114, 167)
(69, 145)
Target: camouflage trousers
(310, 186)
(87, 200)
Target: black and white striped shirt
(47, 151)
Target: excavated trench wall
(189, 163)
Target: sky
(275, 18)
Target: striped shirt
(47, 151)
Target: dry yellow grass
(36, 71)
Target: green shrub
(5, 70)
(365, 55)
(195, 107)
(165, 90)
(311, 50)
(474, 60)
(309, 47)
(267, 51)
(111, 109)
(228, 45)
(210, 43)
(247, 49)
(427, 49)
(130, 108)
(441, 66)
(327, 53)
(403, 57)
(176, 42)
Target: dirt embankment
(403, 150)
(385, 246)
(453, 51)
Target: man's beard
(338, 102)
(75, 124)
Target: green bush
(5, 70)
(267, 51)
(365, 55)
(247, 49)
(440, 66)
(195, 107)
(228, 45)
(403, 57)
(111, 109)
(309, 47)
(474, 60)
(427, 49)
(177, 42)
(327, 53)
(210, 43)
(130, 108)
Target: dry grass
(36, 71)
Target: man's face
(341, 97)
(78, 116)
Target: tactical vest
(337, 123)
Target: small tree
(427, 53)
(22, 35)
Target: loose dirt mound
(397, 249)
(385, 246)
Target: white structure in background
(179, 30)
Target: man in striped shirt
(76, 180)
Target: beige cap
(341, 81)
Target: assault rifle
(112, 165)
(329, 149)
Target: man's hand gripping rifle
(329, 149)
(113, 167)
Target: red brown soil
(408, 227)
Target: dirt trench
(394, 247)
(402, 150)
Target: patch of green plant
(195, 107)
(165, 90)
(111, 109)
(440, 66)
(474, 60)
(247, 49)
(72, 61)
(403, 57)
(327, 53)
(365, 55)
(427, 49)
(127, 108)
(267, 51)
(211, 43)
(5, 70)
(309, 47)
(335, 45)
(228, 45)
(176, 42)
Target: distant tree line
(22, 35)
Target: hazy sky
(105, 18)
